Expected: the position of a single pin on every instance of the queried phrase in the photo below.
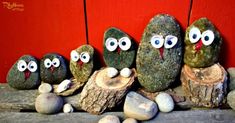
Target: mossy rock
(82, 72)
(118, 59)
(18, 80)
(208, 54)
(157, 68)
(58, 74)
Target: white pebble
(44, 88)
(68, 108)
(165, 102)
(112, 72)
(109, 119)
(125, 72)
(64, 85)
(130, 120)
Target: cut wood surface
(102, 92)
(205, 86)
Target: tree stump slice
(205, 87)
(102, 92)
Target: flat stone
(138, 107)
(158, 68)
(231, 72)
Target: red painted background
(59, 26)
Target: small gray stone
(109, 119)
(165, 102)
(231, 72)
(130, 120)
(231, 99)
(138, 107)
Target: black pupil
(31, 66)
(23, 67)
(123, 43)
(111, 43)
(84, 57)
(169, 42)
(55, 63)
(194, 36)
(157, 42)
(48, 63)
(206, 38)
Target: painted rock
(202, 44)
(130, 120)
(139, 107)
(118, 49)
(109, 119)
(165, 102)
(81, 63)
(24, 74)
(231, 99)
(159, 55)
(231, 72)
(53, 68)
(48, 103)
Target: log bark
(205, 87)
(102, 92)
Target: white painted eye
(157, 41)
(56, 62)
(124, 43)
(32, 66)
(21, 65)
(194, 35)
(74, 55)
(111, 44)
(85, 57)
(208, 37)
(47, 63)
(170, 41)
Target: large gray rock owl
(159, 54)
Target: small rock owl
(119, 52)
(159, 55)
(81, 63)
(202, 44)
(24, 74)
(53, 68)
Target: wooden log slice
(102, 92)
(205, 87)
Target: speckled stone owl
(24, 74)
(53, 68)
(202, 44)
(159, 54)
(118, 50)
(81, 63)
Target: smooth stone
(130, 120)
(207, 55)
(109, 119)
(231, 72)
(68, 108)
(125, 72)
(157, 72)
(231, 99)
(48, 103)
(165, 102)
(45, 88)
(112, 72)
(138, 107)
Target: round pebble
(109, 119)
(165, 102)
(68, 108)
(231, 99)
(45, 88)
(130, 120)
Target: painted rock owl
(202, 44)
(24, 74)
(81, 63)
(53, 68)
(119, 51)
(159, 55)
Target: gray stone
(231, 99)
(138, 107)
(109, 119)
(130, 120)
(45, 88)
(165, 102)
(231, 72)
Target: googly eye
(85, 57)
(207, 37)
(170, 41)
(32, 66)
(47, 63)
(124, 43)
(111, 44)
(21, 65)
(56, 62)
(157, 41)
(194, 35)
(74, 55)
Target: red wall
(59, 26)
